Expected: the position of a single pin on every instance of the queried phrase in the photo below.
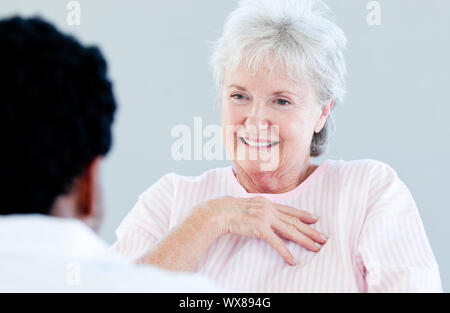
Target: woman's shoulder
(367, 168)
(215, 172)
(360, 165)
(173, 179)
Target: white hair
(298, 33)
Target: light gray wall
(396, 109)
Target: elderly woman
(276, 222)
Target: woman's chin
(256, 166)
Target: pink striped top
(377, 239)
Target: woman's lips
(258, 143)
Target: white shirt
(43, 253)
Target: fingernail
(314, 216)
(324, 237)
(318, 245)
(295, 261)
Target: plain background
(396, 109)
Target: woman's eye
(283, 102)
(238, 96)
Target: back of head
(56, 111)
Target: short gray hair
(300, 35)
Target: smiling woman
(270, 107)
(343, 226)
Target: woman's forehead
(275, 78)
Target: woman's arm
(393, 245)
(182, 249)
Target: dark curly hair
(56, 111)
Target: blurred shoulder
(154, 279)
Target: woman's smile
(258, 143)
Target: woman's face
(268, 120)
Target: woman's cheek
(230, 122)
(231, 115)
(294, 135)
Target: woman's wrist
(212, 217)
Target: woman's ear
(324, 113)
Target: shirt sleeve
(148, 221)
(393, 245)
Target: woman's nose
(257, 117)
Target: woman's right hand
(261, 218)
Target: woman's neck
(279, 181)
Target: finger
(275, 242)
(302, 215)
(304, 229)
(291, 232)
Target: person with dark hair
(56, 111)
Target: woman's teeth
(258, 144)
